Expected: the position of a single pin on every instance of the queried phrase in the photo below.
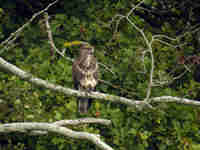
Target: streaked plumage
(85, 75)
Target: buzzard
(85, 75)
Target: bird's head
(87, 49)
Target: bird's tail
(83, 105)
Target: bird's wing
(76, 74)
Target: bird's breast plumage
(85, 75)
(87, 68)
(88, 82)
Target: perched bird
(85, 75)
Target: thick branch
(171, 99)
(26, 127)
(100, 96)
(82, 121)
(39, 82)
(73, 123)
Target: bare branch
(51, 42)
(179, 76)
(151, 76)
(100, 96)
(193, 29)
(26, 127)
(107, 68)
(171, 99)
(134, 7)
(39, 82)
(164, 36)
(187, 68)
(82, 121)
(149, 44)
(166, 43)
(13, 36)
(124, 16)
(162, 82)
(75, 122)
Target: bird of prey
(85, 75)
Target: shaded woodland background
(168, 127)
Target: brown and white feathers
(85, 75)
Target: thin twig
(134, 7)
(118, 87)
(107, 68)
(13, 36)
(149, 44)
(166, 43)
(51, 42)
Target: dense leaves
(168, 127)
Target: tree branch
(171, 99)
(82, 121)
(13, 36)
(39, 82)
(26, 127)
(74, 122)
(149, 45)
(50, 37)
(97, 95)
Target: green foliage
(168, 127)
